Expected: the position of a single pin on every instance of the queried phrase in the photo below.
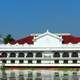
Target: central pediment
(47, 39)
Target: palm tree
(8, 39)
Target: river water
(39, 75)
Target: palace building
(42, 50)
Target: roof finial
(47, 31)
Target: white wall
(47, 41)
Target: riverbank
(65, 69)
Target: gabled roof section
(28, 40)
(70, 39)
(48, 33)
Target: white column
(52, 55)
(53, 61)
(70, 60)
(70, 53)
(17, 53)
(61, 61)
(34, 56)
(34, 61)
(78, 61)
(8, 54)
(53, 58)
(61, 53)
(79, 54)
(16, 60)
(25, 54)
(8, 61)
(79, 57)
(26, 60)
(43, 54)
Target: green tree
(8, 39)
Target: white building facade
(42, 50)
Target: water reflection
(75, 76)
(39, 75)
(56, 76)
(4, 75)
(30, 75)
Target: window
(30, 54)
(4, 54)
(29, 61)
(65, 61)
(39, 54)
(65, 54)
(12, 54)
(3, 61)
(74, 54)
(56, 61)
(12, 61)
(20, 61)
(74, 61)
(56, 54)
(21, 55)
(38, 61)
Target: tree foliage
(8, 39)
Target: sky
(23, 17)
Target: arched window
(12, 54)
(65, 54)
(56, 54)
(4, 61)
(21, 61)
(38, 54)
(74, 54)
(4, 54)
(56, 61)
(12, 61)
(30, 54)
(21, 54)
(38, 61)
(30, 61)
(65, 61)
(74, 61)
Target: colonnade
(44, 57)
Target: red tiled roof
(28, 40)
(66, 39)
(70, 39)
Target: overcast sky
(22, 17)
